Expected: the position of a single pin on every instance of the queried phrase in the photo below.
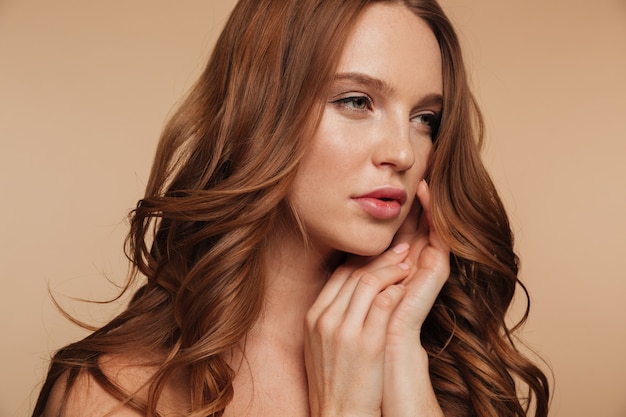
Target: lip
(383, 203)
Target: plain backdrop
(86, 86)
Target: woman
(296, 261)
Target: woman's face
(358, 180)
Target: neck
(295, 276)
(271, 360)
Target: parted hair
(218, 191)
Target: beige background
(86, 86)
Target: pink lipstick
(383, 203)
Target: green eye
(430, 123)
(359, 103)
(426, 119)
(355, 103)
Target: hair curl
(217, 191)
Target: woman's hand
(407, 387)
(345, 335)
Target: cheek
(332, 152)
(317, 174)
(337, 142)
(423, 154)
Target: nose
(394, 148)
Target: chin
(372, 248)
(371, 243)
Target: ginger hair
(217, 191)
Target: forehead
(391, 43)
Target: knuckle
(388, 299)
(333, 332)
(310, 319)
(342, 270)
(396, 327)
(384, 301)
(343, 336)
(325, 324)
(368, 279)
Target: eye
(429, 122)
(427, 119)
(358, 103)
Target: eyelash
(432, 124)
(432, 120)
(346, 101)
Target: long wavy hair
(217, 192)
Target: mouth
(384, 203)
(387, 194)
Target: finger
(421, 293)
(369, 273)
(409, 225)
(406, 231)
(368, 288)
(430, 265)
(343, 281)
(381, 311)
(426, 221)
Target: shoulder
(88, 398)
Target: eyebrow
(366, 80)
(432, 99)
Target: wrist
(408, 388)
(406, 354)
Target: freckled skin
(374, 133)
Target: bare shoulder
(88, 398)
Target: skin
(361, 334)
(364, 330)
(362, 339)
(374, 133)
(345, 342)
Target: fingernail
(402, 247)
(404, 266)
